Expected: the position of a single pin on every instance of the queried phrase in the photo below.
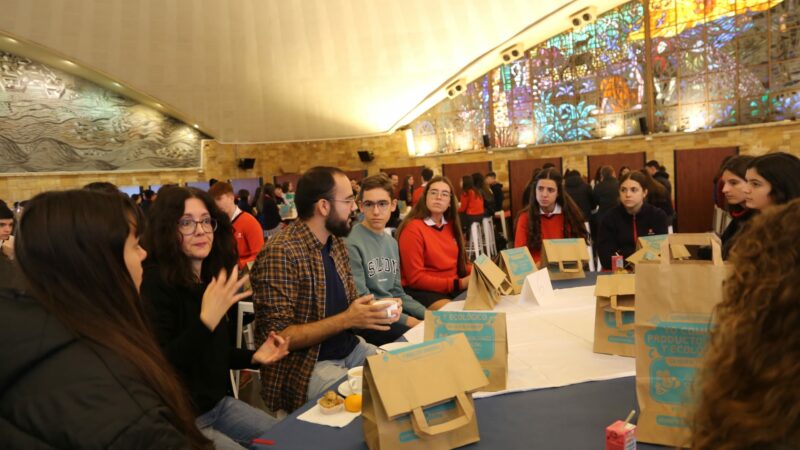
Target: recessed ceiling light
(159, 105)
(115, 84)
(69, 63)
(12, 40)
(196, 126)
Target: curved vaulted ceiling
(283, 70)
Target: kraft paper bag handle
(691, 239)
(563, 269)
(618, 310)
(421, 426)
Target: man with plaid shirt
(303, 288)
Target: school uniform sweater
(249, 236)
(429, 257)
(375, 262)
(619, 230)
(471, 203)
(552, 228)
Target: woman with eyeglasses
(433, 265)
(80, 368)
(190, 285)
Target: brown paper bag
(648, 248)
(486, 284)
(564, 258)
(420, 397)
(674, 301)
(614, 316)
(517, 263)
(486, 333)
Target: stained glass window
(714, 63)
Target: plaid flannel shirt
(288, 281)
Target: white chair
(589, 247)
(502, 216)
(669, 229)
(488, 237)
(249, 340)
(475, 244)
(389, 231)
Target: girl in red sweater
(470, 203)
(551, 214)
(433, 262)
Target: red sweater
(249, 237)
(552, 228)
(428, 257)
(471, 203)
(415, 196)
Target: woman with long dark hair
(551, 214)
(268, 213)
(191, 283)
(748, 394)
(433, 265)
(734, 188)
(489, 206)
(471, 203)
(407, 191)
(772, 179)
(80, 365)
(622, 225)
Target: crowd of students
(154, 359)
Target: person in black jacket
(497, 190)
(80, 368)
(734, 188)
(659, 173)
(581, 193)
(621, 227)
(190, 283)
(269, 216)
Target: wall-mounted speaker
(643, 125)
(365, 156)
(487, 142)
(512, 53)
(582, 17)
(456, 88)
(247, 163)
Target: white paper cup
(391, 310)
(354, 378)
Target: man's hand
(272, 350)
(362, 314)
(8, 247)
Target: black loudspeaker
(486, 141)
(643, 125)
(247, 163)
(365, 156)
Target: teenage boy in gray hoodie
(374, 255)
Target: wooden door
(634, 161)
(694, 187)
(519, 175)
(455, 171)
(403, 173)
(357, 175)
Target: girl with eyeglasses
(80, 368)
(190, 285)
(433, 263)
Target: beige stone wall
(220, 160)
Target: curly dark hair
(573, 219)
(162, 240)
(749, 394)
